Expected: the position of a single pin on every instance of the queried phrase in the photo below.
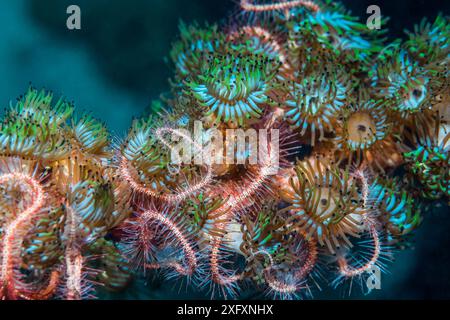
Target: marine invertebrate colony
(79, 212)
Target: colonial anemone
(234, 87)
(363, 130)
(427, 157)
(335, 26)
(305, 51)
(363, 124)
(403, 84)
(313, 101)
(32, 128)
(397, 211)
(428, 43)
(116, 273)
(260, 40)
(78, 209)
(66, 165)
(325, 204)
(194, 45)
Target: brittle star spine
(228, 209)
(74, 259)
(344, 268)
(187, 248)
(171, 198)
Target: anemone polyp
(31, 128)
(51, 166)
(427, 157)
(403, 84)
(189, 51)
(364, 129)
(397, 210)
(413, 98)
(428, 44)
(324, 204)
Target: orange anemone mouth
(361, 130)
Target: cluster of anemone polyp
(363, 155)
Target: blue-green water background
(115, 66)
